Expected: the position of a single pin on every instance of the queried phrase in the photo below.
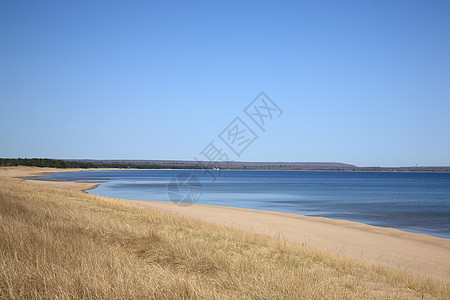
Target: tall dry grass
(63, 244)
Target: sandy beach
(18, 172)
(416, 253)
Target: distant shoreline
(208, 165)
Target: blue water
(414, 202)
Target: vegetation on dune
(64, 244)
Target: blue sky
(361, 82)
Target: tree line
(64, 164)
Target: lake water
(415, 202)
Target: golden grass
(66, 244)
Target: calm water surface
(415, 202)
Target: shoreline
(414, 252)
(37, 172)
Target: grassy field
(67, 244)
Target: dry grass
(65, 244)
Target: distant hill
(295, 164)
(225, 165)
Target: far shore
(415, 253)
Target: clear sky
(360, 82)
